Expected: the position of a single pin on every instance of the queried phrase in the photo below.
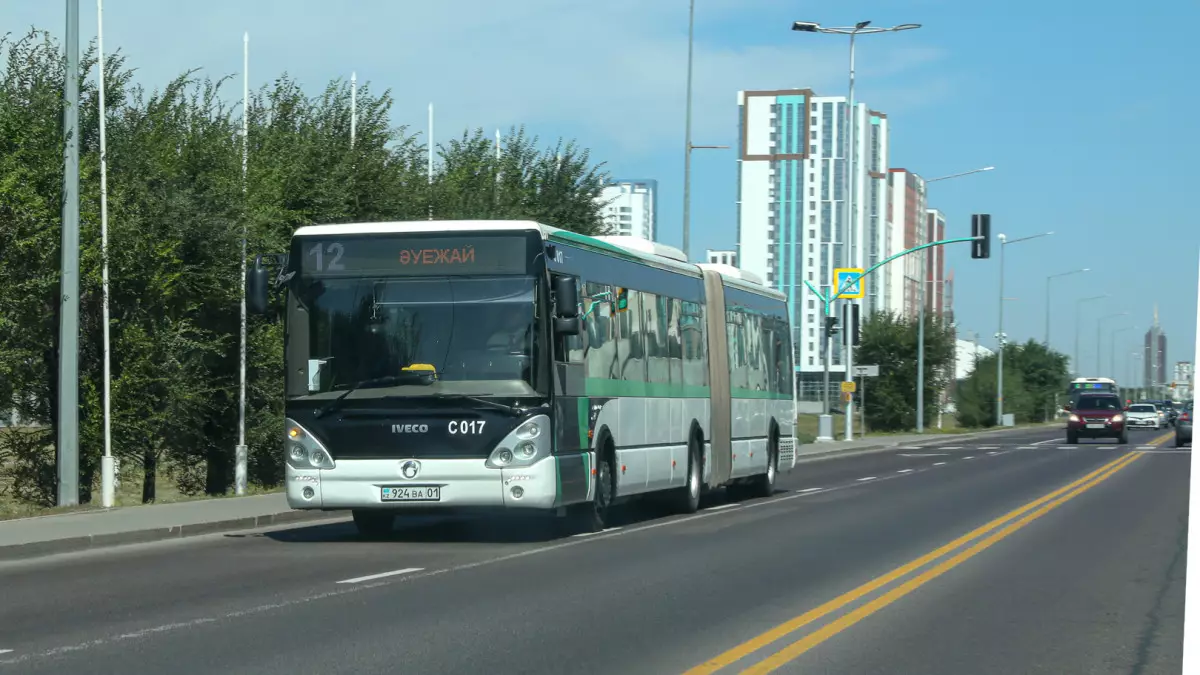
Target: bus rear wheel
(687, 499)
(763, 485)
(374, 523)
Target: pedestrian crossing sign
(848, 283)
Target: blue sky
(1082, 107)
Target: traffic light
(850, 320)
(981, 226)
(831, 326)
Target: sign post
(863, 372)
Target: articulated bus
(510, 365)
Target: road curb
(39, 549)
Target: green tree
(1035, 379)
(178, 205)
(891, 342)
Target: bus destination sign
(413, 256)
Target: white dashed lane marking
(904, 471)
(867, 478)
(381, 575)
(938, 463)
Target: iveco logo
(410, 469)
(410, 428)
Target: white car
(1144, 415)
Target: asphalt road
(1087, 578)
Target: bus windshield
(478, 334)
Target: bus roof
(631, 247)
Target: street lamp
(1078, 324)
(1048, 279)
(1004, 242)
(1099, 324)
(921, 304)
(860, 28)
(1112, 352)
(687, 142)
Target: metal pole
(240, 454)
(921, 338)
(1000, 341)
(828, 339)
(687, 148)
(353, 107)
(1099, 337)
(107, 469)
(1047, 339)
(67, 449)
(429, 168)
(848, 258)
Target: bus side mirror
(256, 288)
(566, 298)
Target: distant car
(1096, 416)
(1183, 426)
(1145, 415)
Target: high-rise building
(631, 207)
(721, 257)
(791, 199)
(1182, 379)
(1154, 354)
(948, 298)
(909, 223)
(935, 272)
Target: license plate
(1095, 426)
(411, 493)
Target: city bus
(513, 366)
(1092, 385)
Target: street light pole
(1112, 353)
(849, 181)
(67, 450)
(1078, 326)
(1048, 280)
(1099, 325)
(1004, 242)
(687, 135)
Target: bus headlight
(304, 451)
(523, 446)
(525, 450)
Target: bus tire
(373, 523)
(763, 485)
(687, 499)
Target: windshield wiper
(511, 410)
(419, 377)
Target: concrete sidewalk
(66, 532)
(62, 533)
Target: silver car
(1144, 415)
(1183, 426)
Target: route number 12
(335, 249)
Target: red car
(1096, 416)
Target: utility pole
(67, 448)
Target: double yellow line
(1006, 524)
